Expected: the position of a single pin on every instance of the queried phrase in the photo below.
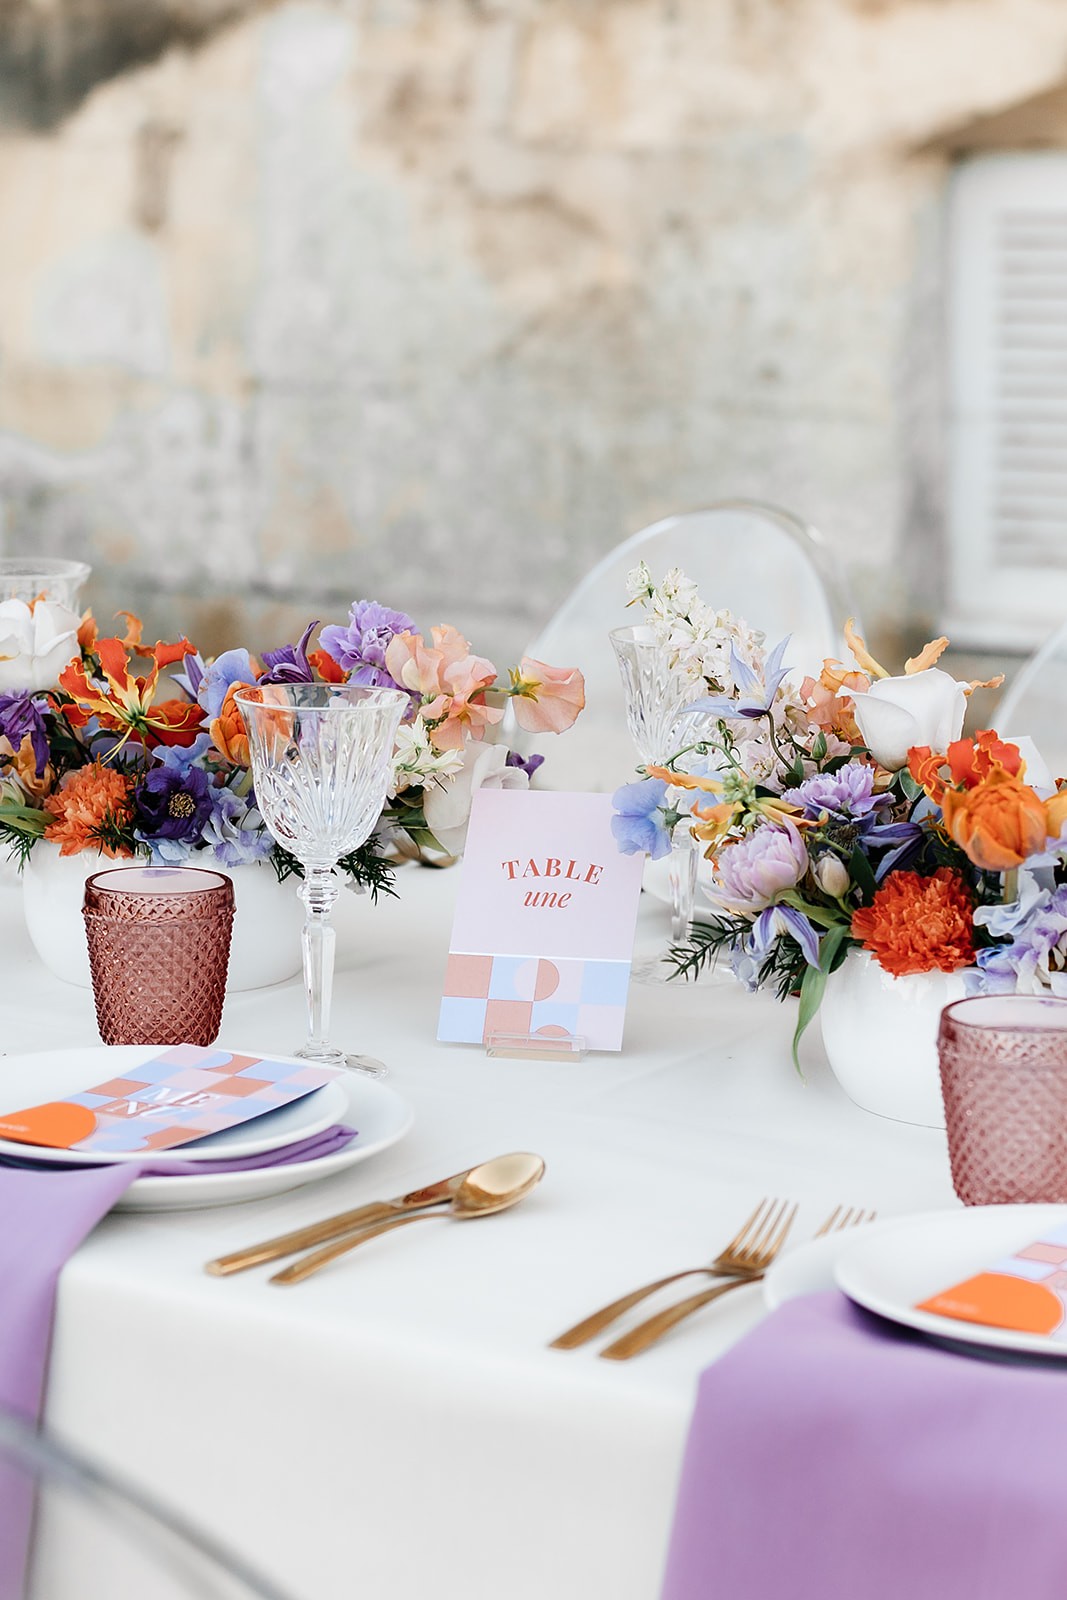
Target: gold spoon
(287, 1244)
(494, 1186)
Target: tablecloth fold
(834, 1456)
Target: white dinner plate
(808, 1268)
(380, 1116)
(890, 1266)
(31, 1080)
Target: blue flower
(234, 831)
(756, 693)
(778, 921)
(233, 666)
(638, 823)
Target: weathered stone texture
(439, 299)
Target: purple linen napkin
(834, 1456)
(45, 1213)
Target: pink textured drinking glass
(159, 947)
(1004, 1082)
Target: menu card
(171, 1099)
(544, 926)
(1026, 1292)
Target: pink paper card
(544, 926)
(181, 1095)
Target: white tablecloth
(396, 1428)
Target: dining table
(397, 1426)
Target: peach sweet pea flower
(546, 699)
(450, 681)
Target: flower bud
(831, 875)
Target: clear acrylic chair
(758, 561)
(70, 1530)
(1032, 704)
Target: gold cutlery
(492, 1187)
(732, 1262)
(287, 1244)
(758, 1256)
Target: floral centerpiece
(848, 812)
(110, 745)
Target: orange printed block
(1024, 1293)
(57, 1125)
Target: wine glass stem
(683, 881)
(318, 892)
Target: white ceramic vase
(880, 1037)
(265, 947)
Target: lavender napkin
(45, 1213)
(833, 1456)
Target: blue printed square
(461, 1021)
(606, 983)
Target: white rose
(36, 643)
(447, 805)
(922, 708)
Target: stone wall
(436, 300)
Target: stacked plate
(378, 1114)
(890, 1267)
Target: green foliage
(368, 867)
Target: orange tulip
(228, 729)
(999, 823)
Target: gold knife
(285, 1244)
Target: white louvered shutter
(1007, 297)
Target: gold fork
(758, 1258)
(732, 1262)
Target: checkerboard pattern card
(544, 927)
(172, 1099)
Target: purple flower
(529, 764)
(360, 648)
(290, 664)
(778, 922)
(756, 870)
(234, 831)
(1033, 959)
(233, 666)
(171, 805)
(846, 793)
(638, 823)
(19, 716)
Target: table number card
(544, 927)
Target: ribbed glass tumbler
(159, 948)
(1004, 1082)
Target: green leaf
(811, 992)
(862, 874)
(909, 787)
(834, 948)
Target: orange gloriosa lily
(125, 702)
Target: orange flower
(917, 924)
(969, 761)
(228, 728)
(547, 699)
(999, 823)
(327, 667)
(125, 705)
(87, 799)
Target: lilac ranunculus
(290, 664)
(233, 666)
(19, 716)
(171, 804)
(756, 870)
(360, 648)
(638, 823)
(848, 792)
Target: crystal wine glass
(320, 764)
(657, 698)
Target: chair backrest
(69, 1528)
(1032, 704)
(755, 560)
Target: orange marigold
(88, 798)
(917, 924)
